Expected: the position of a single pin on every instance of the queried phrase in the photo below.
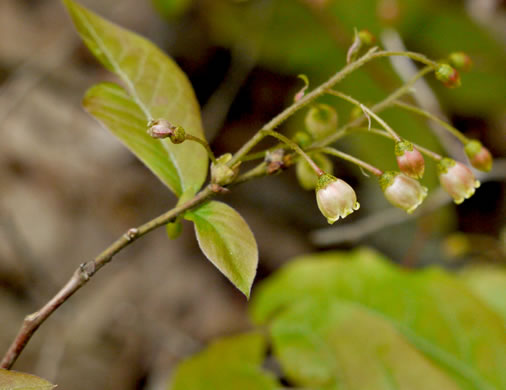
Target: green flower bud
(302, 139)
(221, 173)
(321, 120)
(448, 75)
(305, 173)
(478, 155)
(461, 61)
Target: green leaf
(172, 9)
(232, 363)
(12, 380)
(433, 309)
(489, 283)
(335, 345)
(155, 89)
(227, 241)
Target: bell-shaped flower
(457, 179)
(402, 191)
(409, 159)
(336, 198)
(479, 156)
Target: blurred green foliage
(353, 320)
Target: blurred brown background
(68, 187)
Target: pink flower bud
(448, 75)
(478, 155)
(461, 61)
(160, 128)
(402, 191)
(457, 179)
(409, 159)
(336, 199)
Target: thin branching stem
(429, 153)
(87, 270)
(204, 143)
(345, 156)
(296, 148)
(367, 111)
(426, 114)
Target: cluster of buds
(457, 179)
(409, 159)
(160, 128)
(335, 198)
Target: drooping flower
(478, 155)
(402, 191)
(457, 179)
(336, 198)
(409, 159)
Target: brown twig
(86, 271)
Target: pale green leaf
(433, 309)
(157, 89)
(489, 283)
(232, 363)
(13, 380)
(171, 9)
(227, 241)
(334, 345)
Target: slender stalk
(426, 114)
(204, 143)
(354, 160)
(86, 271)
(296, 148)
(429, 153)
(367, 111)
(322, 89)
(387, 102)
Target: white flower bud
(402, 191)
(336, 199)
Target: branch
(86, 271)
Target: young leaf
(434, 310)
(489, 283)
(227, 241)
(155, 89)
(333, 344)
(12, 380)
(232, 363)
